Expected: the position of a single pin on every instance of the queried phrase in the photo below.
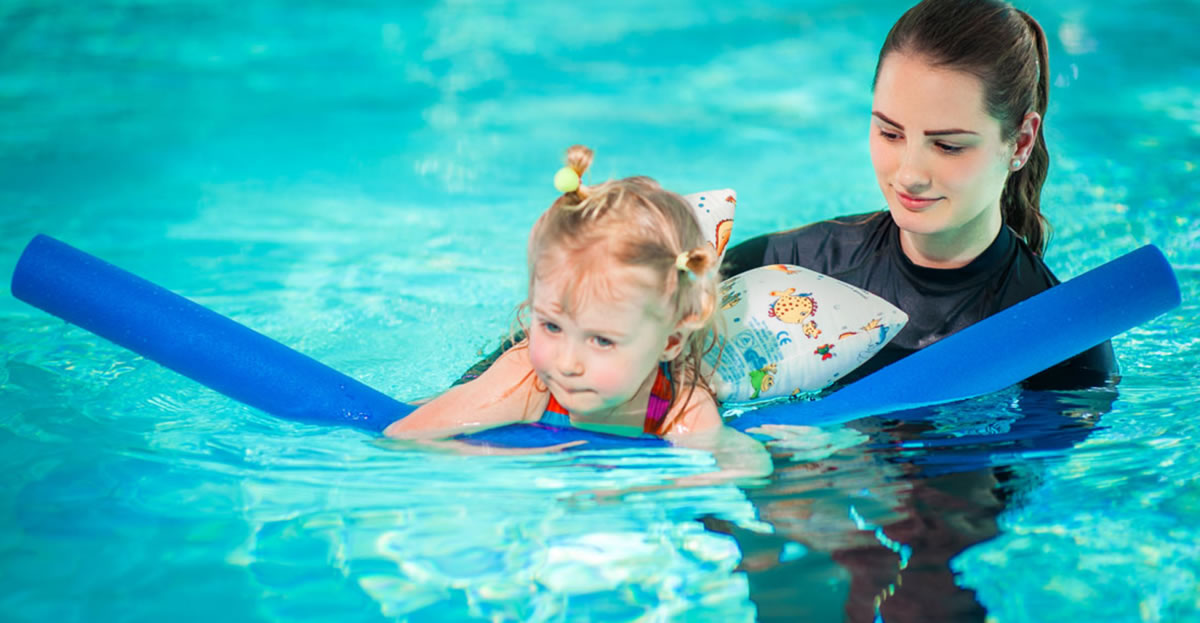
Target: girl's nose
(569, 363)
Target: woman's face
(939, 156)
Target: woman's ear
(1026, 138)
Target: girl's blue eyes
(602, 342)
(945, 148)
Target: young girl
(622, 292)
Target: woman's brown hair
(1006, 49)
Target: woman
(960, 90)
(956, 140)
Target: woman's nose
(913, 173)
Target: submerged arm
(738, 455)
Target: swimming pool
(357, 179)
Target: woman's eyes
(945, 148)
(550, 327)
(602, 342)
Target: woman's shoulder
(852, 229)
(1025, 272)
(830, 246)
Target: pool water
(357, 179)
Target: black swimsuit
(864, 250)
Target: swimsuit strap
(662, 394)
(555, 415)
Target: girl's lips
(563, 388)
(915, 203)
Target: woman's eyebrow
(884, 119)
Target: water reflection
(869, 531)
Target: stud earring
(1016, 163)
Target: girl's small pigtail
(699, 265)
(697, 262)
(568, 180)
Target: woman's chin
(918, 222)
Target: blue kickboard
(260, 372)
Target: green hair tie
(566, 180)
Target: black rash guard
(864, 251)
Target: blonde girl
(622, 290)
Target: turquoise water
(356, 181)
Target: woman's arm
(504, 393)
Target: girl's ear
(675, 343)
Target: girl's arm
(700, 427)
(503, 394)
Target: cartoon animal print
(810, 330)
(724, 229)
(825, 351)
(781, 268)
(762, 379)
(870, 326)
(791, 307)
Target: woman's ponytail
(1021, 199)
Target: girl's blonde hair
(636, 223)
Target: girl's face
(597, 344)
(939, 156)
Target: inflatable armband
(788, 330)
(714, 211)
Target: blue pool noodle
(224, 355)
(193, 340)
(258, 371)
(1003, 349)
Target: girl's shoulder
(511, 381)
(694, 409)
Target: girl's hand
(808, 443)
(468, 448)
(460, 447)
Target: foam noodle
(1003, 349)
(193, 340)
(226, 356)
(252, 368)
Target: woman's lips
(915, 203)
